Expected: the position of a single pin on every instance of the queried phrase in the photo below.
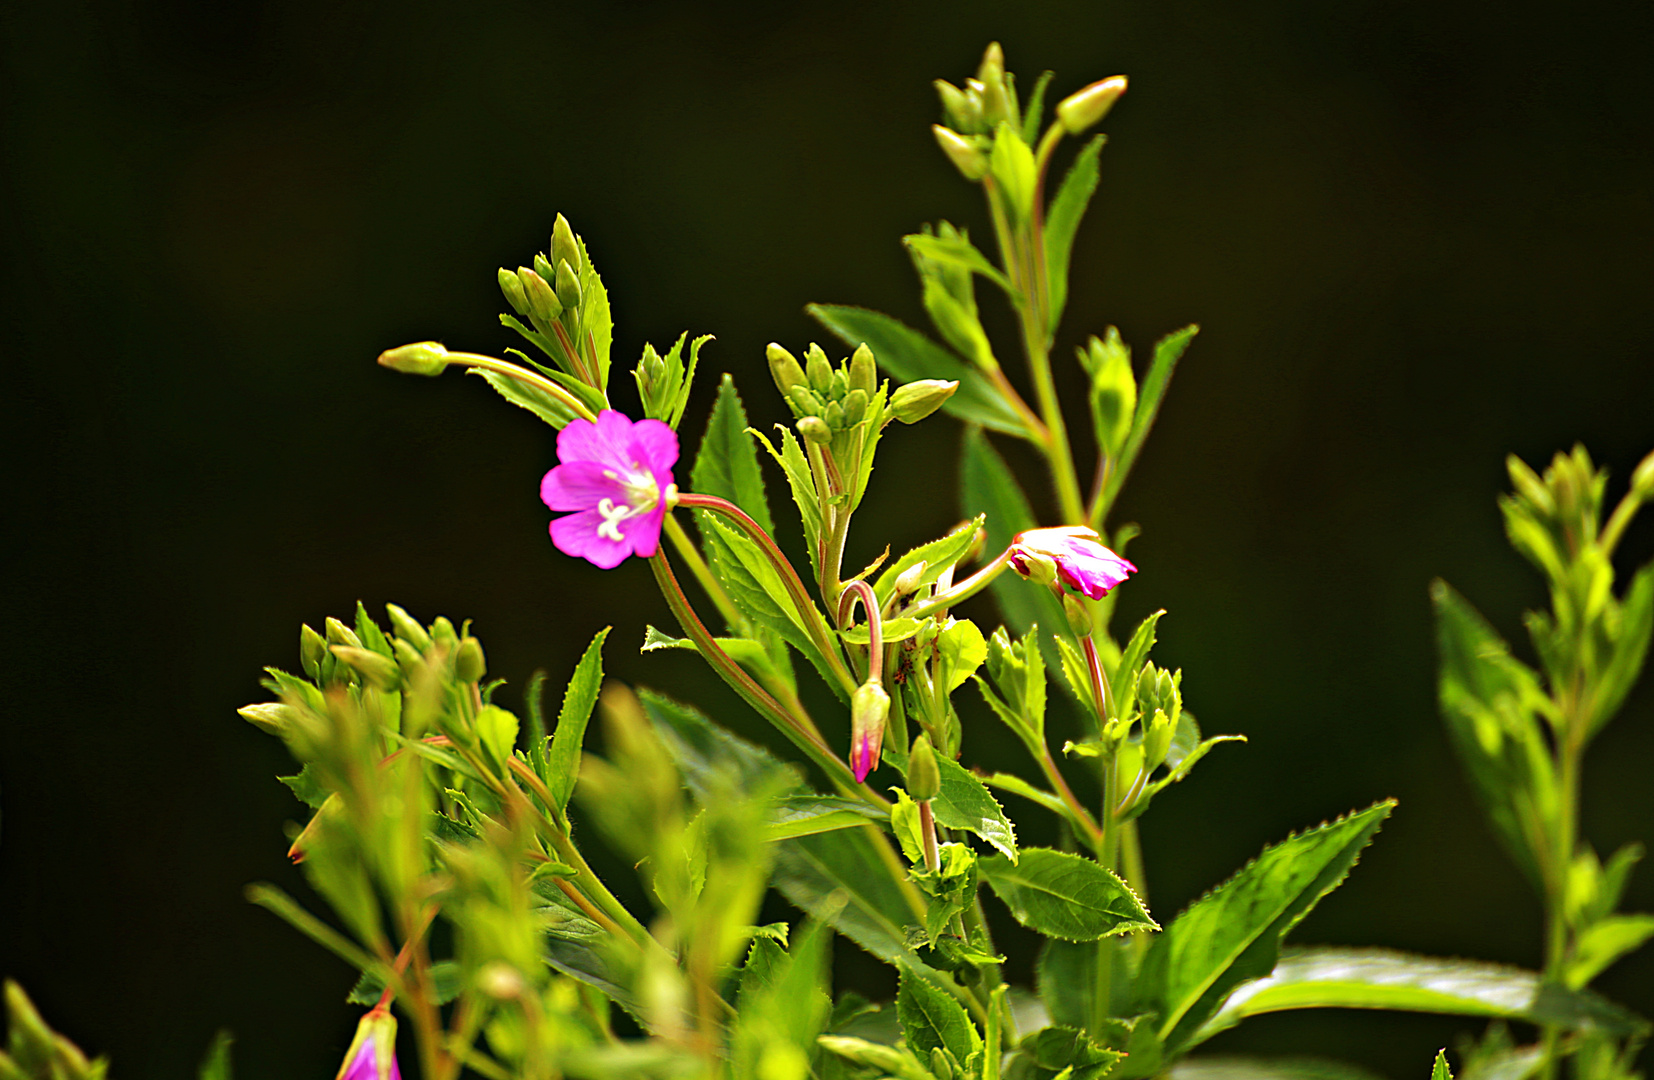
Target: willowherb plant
(435, 807)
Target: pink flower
(372, 1054)
(869, 709)
(618, 475)
(1073, 554)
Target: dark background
(1417, 235)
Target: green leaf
(563, 759)
(307, 786)
(931, 1019)
(938, 555)
(727, 463)
(1167, 351)
(1604, 942)
(1016, 785)
(534, 705)
(1234, 932)
(553, 410)
(1068, 1052)
(805, 815)
(215, 1065)
(990, 489)
(796, 467)
(446, 976)
(1131, 662)
(1036, 106)
(1245, 1068)
(1635, 626)
(811, 870)
(888, 1060)
(709, 756)
(1490, 701)
(1381, 979)
(963, 803)
(956, 249)
(891, 631)
(909, 356)
(1440, 1071)
(1066, 978)
(1065, 896)
(752, 654)
(595, 323)
(1062, 221)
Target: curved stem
(964, 590)
(861, 590)
(703, 576)
(809, 615)
(525, 376)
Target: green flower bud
(908, 580)
(784, 368)
(469, 663)
(914, 401)
(513, 290)
(1083, 108)
(940, 1066)
(544, 267)
(312, 648)
(819, 370)
(966, 156)
(805, 402)
(568, 286)
(855, 406)
(543, 305)
(814, 429)
(841, 384)
(564, 249)
(996, 99)
(1157, 740)
(270, 717)
(420, 358)
(340, 634)
(442, 633)
(1642, 480)
(379, 671)
(407, 628)
(834, 416)
(864, 371)
(924, 779)
(408, 658)
(869, 709)
(963, 110)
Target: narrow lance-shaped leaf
(1636, 626)
(1440, 1071)
(1062, 221)
(1065, 896)
(563, 760)
(1381, 979)
(1167, 351)
(727, 462)
(910, 356)
(1234, 932)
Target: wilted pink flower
(1073, 554)
(618, 475)
(869, 709)
(372, 1054)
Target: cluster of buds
(551, 296)
(831, 402)
(1160, 699)
(36, 1052)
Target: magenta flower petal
(1082, 562)
(617, 475)
(372, 1054)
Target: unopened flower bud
(869, 709)
(996, 100)
(924, 779)
(501, 981)
(543, 305)
(564, 249)
(805, 402)
(864, 370)
(372, 1054)
(543, 266)
(469, 663)
(784, 368)
(971, 162)
(408, 658)
(834, 416)
(963, 110)
(312, 648)
(1642, 480)
(908, 580)
(1157, 740)
(513, 290)
(814, 429)
(380, 671)
(940, 1066)
(420, 358)
(1083, 108)
(855, 406)
(914, 401)
(820, 372)
(568, 286)
(340, 634)
(270, 717)
(407, 628)
(442, 633)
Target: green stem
(524, 376)
(964, 590)
(1079, 816)
(703, 575)
(809, 615)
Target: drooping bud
(469, 663)
(869, 709)
(513, 290)
(420, 358)
(270, 717)
(784, 368)
(380, 671)
(1083, 108)
(864, 370)
(564, 249)
(568, 286)
(924, 779)
(814, 429)
(914, 401)
(971, 162)
(407, 628)
(312, 649)
(372, 1054)
(543, 305)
